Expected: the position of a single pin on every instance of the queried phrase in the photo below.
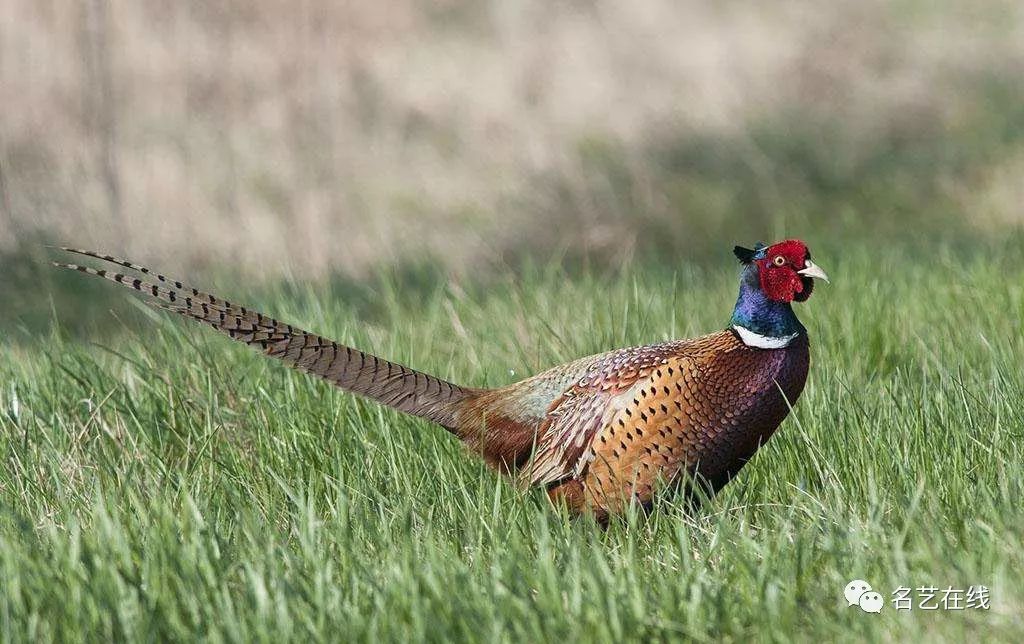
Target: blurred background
(316, 139)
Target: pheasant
(599, 433)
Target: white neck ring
(759, 341)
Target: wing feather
(575, 419)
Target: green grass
(166, 483)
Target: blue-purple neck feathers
(754, 311)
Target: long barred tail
(405, 389)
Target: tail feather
(392, 384)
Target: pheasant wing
(576, 418)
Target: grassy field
(165, 483)
(482, 190)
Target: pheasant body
(630, 421)
(598, 433)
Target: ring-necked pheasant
(600, 432)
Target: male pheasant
(598, 433)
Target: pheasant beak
(813, 270)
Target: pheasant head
(773, 277)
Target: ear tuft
(745, 255)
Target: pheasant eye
(779, 260)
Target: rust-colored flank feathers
(598, 433)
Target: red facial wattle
(780, 280)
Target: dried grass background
(315, 137)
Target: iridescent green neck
(756, 313)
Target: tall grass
(166, 483)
